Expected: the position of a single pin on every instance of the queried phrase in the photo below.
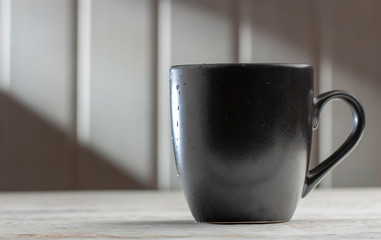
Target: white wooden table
(324, 214)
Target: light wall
(93, 75)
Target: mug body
(242, 137)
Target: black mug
(242, 138)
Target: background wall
(84, 84)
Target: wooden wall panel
(38, 146)
(203, 31)
(122, 86)
(281, 31)
(43, 57)
(34, 154)
(36, 105)
(356, 60)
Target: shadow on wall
(35, 155)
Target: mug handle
(314, 176)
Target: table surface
(332, 214)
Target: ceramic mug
(242, 138)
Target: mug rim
(214, 65)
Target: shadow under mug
(242, 138)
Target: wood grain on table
(324, 214)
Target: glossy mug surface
(242, 138)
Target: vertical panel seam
(83, 71)
(5, 53)
(244, 32)
(164, 61)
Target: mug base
(250, 222)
